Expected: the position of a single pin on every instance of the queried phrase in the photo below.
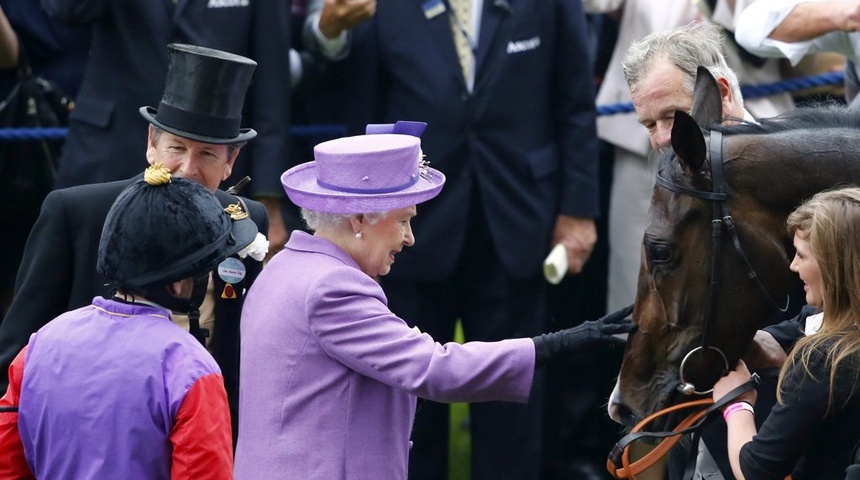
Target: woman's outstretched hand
(602, 330)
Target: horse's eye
(659, 253)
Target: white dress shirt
(760, 19)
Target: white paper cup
(555, 265)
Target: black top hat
(203, 95)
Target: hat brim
(244, 232)
(300, 184)
(245, 134)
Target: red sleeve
(202, 438)
(13, 465)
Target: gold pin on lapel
(235, 211)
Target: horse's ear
(688, 142)
(707, 103)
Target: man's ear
(175, 288)
(727, 97)
(150, 145)
(231, 160)
(181, 288)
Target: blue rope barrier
(29, 134)
(336, 130)
(793, 85)
(754, 91)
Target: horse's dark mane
(820, 117)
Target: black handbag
(28, 167)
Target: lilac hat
(365, 173)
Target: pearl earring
(358, 235)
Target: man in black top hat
(195, 133)
(126, 69)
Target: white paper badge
(231, 270)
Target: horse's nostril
(630, 418)
(623, 414)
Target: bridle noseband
(721, 220)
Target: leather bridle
(618, 463)
(721, 221)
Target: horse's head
(713, 265)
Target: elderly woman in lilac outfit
(329, 375)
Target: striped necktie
(461, 27)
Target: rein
(618, 464)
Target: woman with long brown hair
(812, 431)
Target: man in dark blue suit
(195, 133)
(515, 136)
(127, 67)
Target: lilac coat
(329, 376)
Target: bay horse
(715, 252)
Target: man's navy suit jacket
(524, 137)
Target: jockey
(116, 389)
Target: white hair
(687, 48)
(334, 221)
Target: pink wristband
(735, 407)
